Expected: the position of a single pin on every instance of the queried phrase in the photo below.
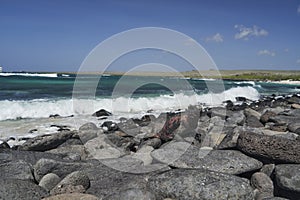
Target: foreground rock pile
(245, 151)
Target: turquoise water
(40, 95)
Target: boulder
(266, 116)
(230, 139)
(288, 178)
(87, 132)
(252, 121)
(72, 196)
(263, 184)
(71, 149)
(31, 157)
(294, 127)
(101, 113)
(16, 170)
(46, 142)
(186, 184)
(101, 148)
(106, 180)
(77, 178)
(144, 154)
(183, 155)
(19, 189)
(49, 181)
(277, 149)
(250, 112)
(60, 168)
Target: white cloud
(247, 32)
(298, 10)
(215, 38)
(266, 52)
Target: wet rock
(197, 184)
(110, 126)
(287, 179)
(49, 181)
(75, 196)
(46, 142)
(101, 113)
(184, 155)
(46, 166)
(277, 149)
(278, 127)
(293, 99)
(16, 170)
(19, 189)
(263, 184)
(218, 111)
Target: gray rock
(230, 140)
(74, 179)
(250, 112)
(46, 166)
(63, 189)
(237, 117)
(294, 127)
(124, 164)
(76, 196)
(272, 148)
(288, 177)
(19, 189)
(153, 142)
(75, 149)
(8, 155)
(132, 194)
(87, 132)
(106, 181)
(182, 155)
(266, 116)
(252, 121)
(49, 181)
(143, 154)
(16, 170)
(263, 184)
(101, 148)
(46, 142)
(187, 184)
(268, 169)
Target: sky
(57, 35)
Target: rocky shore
(249, 150)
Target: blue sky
(56, 35)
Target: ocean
(28, 99)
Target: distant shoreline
(276, 76)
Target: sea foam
(42, 108)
